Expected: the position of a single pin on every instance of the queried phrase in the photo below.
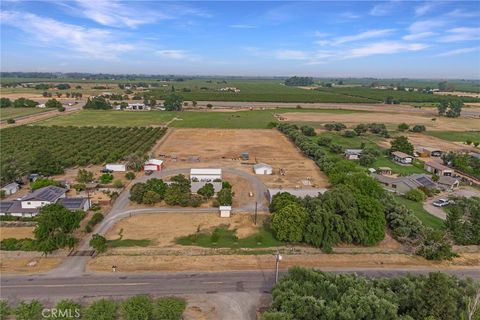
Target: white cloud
(457, 52)
(242, 26)
(461, 34)
(363, 36)
(386, 47)
(426, 25)
(291, 55)
(418, 36)
(174, 54)
(115, 14)
(384, 8)
(461, 13)
(424, 8)
(92, 42)
(350, 15)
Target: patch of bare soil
(16, 232)
(222, 147)
(439, 124)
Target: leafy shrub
(29, 310)
(137, 308)
(10, 121)
(195, 200)
(416, 195)
(419, 128)
(403, 126)
(308, 131)
(130, 175)
(12, 244)
(169, 308)
(324, 141)
(335, 126)
(67, 309)
(206, 191)
(106, 178)
(102, 309)
(4, 310)
(349, 133)
(117, 184)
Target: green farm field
(257, 119)
(473, 136)
(6, 113)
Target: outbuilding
(116, 167)
(262, 168)
(438, 169)
(10, 188)
(205, 175)
(353, 154)
(153, 165)
(402, 157)
(448, 183)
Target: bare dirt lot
(222, 147)
(158, 227)
(16, 232)
(440, 124)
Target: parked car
(148, 172)
(105, 170)
(441, 202)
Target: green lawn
(189, 119)
(384, 161)
(7, 113)
(228, 239)
(473, 136)
(128, 243)
(352, 143)
(417, 208)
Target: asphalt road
(14, 288)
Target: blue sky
(415, 39)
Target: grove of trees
(356, 209)
(299, 81)
(306, 294)
(463, 220)
(97, 103)
(451, 108)
(48, 150)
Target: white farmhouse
(262, 168)
(205, 175)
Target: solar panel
(71, 202)
(426, 182)
(4, 205)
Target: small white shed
(10, 188)
(225, 211)
(262, 168)
(116, 167)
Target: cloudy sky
(417, 39)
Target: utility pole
(278, 258)
(255, 219)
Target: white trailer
(116, 167)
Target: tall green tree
(289, 222)
(44, 162)
(53, 103)
(173, 102)
(55, 227)
(401, 144)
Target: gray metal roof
(261, 165)
(5, 205)
(72, 203)
(302, 193)
(50, 193)
(10, 186)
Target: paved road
(119, 284)
(75, 266)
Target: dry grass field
(439, 124)
(219, 263)
(222, 147)
(162, 229)
(16, 232)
